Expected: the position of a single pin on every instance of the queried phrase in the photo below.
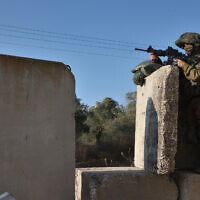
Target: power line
(68, 34)
(61, 42)
(57, 35)
(75, 35)
(68, 50)
(66, 38)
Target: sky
(95, 37)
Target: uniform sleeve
(192, 73)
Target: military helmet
(146, 67)
(143, 70)
(139, 78)
(188, 37)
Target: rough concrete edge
(82, 185)
(180, 177)
(169, 165)
(135, 135)
(90, 178)
(171, 73)
(78, 184)
(171, 139)
(39, 60)
(94, 181)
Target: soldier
(190, 42)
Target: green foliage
(122, 128)
(106, 130)
(131, 96)
(87, 138)
(104, 111)
(80, 118)
(129, 158)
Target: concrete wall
(157, 121)
(123, 183)
(167, 116)
(36, 129)
(130, 183)
(6, 196)
(188, 183)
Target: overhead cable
(75, 35)
(62, 42)
(67, 50)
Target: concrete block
(188, 184)
(123, 183)
(37, 104)
(157, 121)
(6, 196)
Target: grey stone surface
(123, 183)
(36, 129)
(189, 185)
(157, 121)
(6, 196)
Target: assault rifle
(172, 54)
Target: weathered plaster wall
(123, 183)
(167, 116)
(188, 183)
(36, 129)
(157, 121)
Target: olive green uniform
(192, 72)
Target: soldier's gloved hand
(180, 63)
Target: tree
(123, 126)
(80, 118)
(110, 129)
(104, 111)
(131, 96)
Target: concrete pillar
(157, 121)
(37, 129)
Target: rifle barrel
(137, 49)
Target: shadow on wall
(151, 138)
(193, 119)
